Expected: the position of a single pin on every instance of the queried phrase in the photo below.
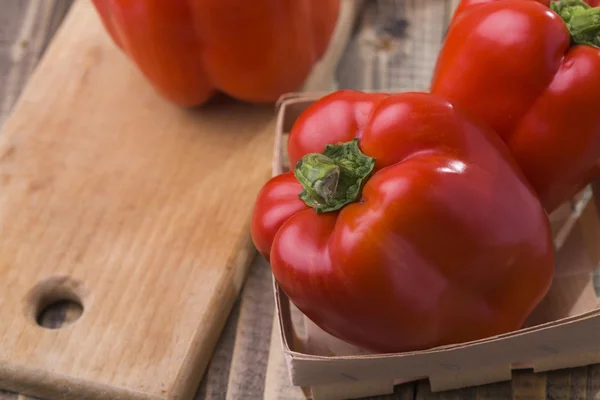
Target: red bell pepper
(404, 224)
(531, 70)
(251, 50)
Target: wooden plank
(395, 46)
(566, 384)
(593, 382)
(26, 28)
(529, 386)
(108, 195)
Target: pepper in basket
(404, 224)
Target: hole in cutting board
(59, 313)
(55, 302)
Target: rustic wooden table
(393, 48)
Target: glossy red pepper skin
(511, 63)
(447, 243)
(254, 50)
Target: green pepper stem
(582, 20)
(333, 178)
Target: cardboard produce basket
(562, 332)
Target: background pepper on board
(531, 70)
(254, 51)
(414, 228)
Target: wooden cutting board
(136, 209)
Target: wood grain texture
(26, 28)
